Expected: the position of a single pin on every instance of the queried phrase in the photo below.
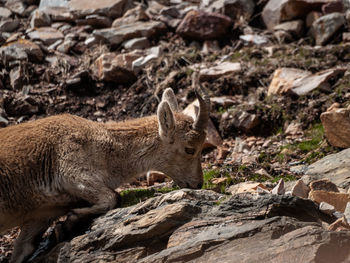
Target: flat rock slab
(22, 46)
(301, 82)
(47, 35)
(185, 226)
(116, 36)
(110, 8)
(335, 167)
(222, 69)
(338, 200)
(336, 125)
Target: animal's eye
(190, 151)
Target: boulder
(185, 226)
(199, 25)
(116, 36)
(336, 125)
(40, 19)
(335, 167)
(9, 25)
(324, 28)
(5, 13)
(110, 8)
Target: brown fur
(48, 165)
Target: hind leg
(28, 240)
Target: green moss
(133, 196)
(285, 177)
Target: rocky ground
(278, 76)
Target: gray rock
(335, 167)
(327, 208)
(17, 7)
(116, 36)
(185, 225)
(52, 3)
(9, 25)
(40, 19)
(59, 14)
(96, 21)
(3, 121)
(300, 189)
(324, 28)
(279, 188)
(47, 35)
(66, 46)
(110, 8)
(5, 12)
(234, 9)
(347, 212)
(17, 77)
(295, 28)
(323, 184)
(136, 43)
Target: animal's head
(182, 139)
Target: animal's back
(28, 163)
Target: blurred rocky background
(276, 163)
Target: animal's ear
(169, 96)
(166, 122)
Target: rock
(210, 46)
(4, 12)
(17, 7)
(222, 69)
(235, 9)
(335, 167)
(136, 43)
(324, 28)
(116, 36)
(327, 208)
(53, 3)
(254, 39)
(185, 225)
(279, 188)
(284, 78)
(277, 11)
(245, 121)
(110, 8)
(213, 138)
(246, 187)
(338, 200)
(300, 189)
(336, 124)
(21, 105)
(9, 25)
(22, 49)
(340, 225)
(295, 28)
(108, 68)
(17, 77)
(66, 46)
(323, 184)
(347, 212)
(346, 36)
(3, 122)
(131, 16)
(40, 19)
(95, 21)
(312, 17)
(333, 6)
(47, 35)
(300, 82)
(198, 25)
(59, 13)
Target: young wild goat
(49, 165)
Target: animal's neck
(135, 146)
